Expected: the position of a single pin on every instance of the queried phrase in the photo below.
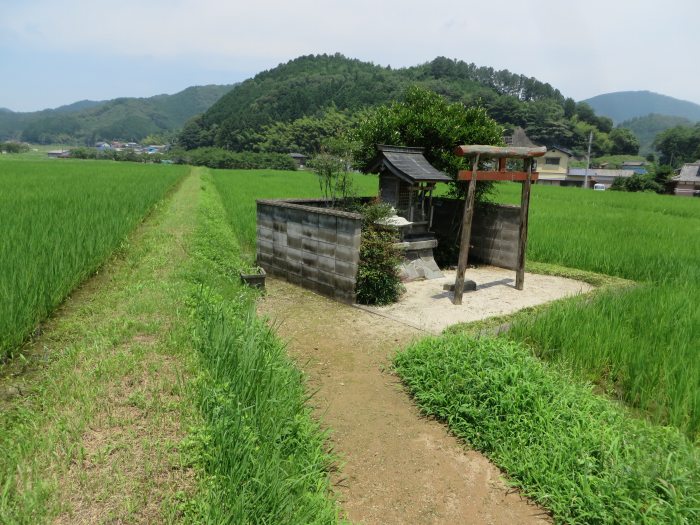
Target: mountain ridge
(626, 105)
(126, 118)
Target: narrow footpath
(107, 401)
(397, 465)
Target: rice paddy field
(642, 344)
(60, 221)
(531, 400)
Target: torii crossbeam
(479, 152)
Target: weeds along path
(398, 467)
(91, 435)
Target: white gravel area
(427, 306)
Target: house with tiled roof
(687, 182)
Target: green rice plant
(60, 221)
(641, 344)
(578, 454)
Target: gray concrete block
(325, 263)
(348, 226)
(294, 241)
(279, 214)
(265, 246)
(326, 235)
(294, 255)
(309, 259)
(295, 229)
(295, 216)
(309, 245)
(345, 297)
(265, 220)
(279, 226)
(309, 272)
(345, 269)
(310, 219)
(295, 279)
(326, 249)
(279, 238)
(264, 232)
(265, 260)
(279, 251)
(325, 277)
(328, 222)
(325, 289)
(344, 284)
(309, 231)
(346, 253)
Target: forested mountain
(626, 105)
(323, 93)
(648, 127)
(129, 119)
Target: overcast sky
(55, 52)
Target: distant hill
(87, 121)
(646, 128)
(272, 106)
(80, 105)
(626, 105)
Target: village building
(577, 176)
(300, 159)
(554, 167)
(637, 166)
(687, 182)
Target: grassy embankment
(261, 455)
(580, 454)
(60, 221)
(577, 453)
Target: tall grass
(262, 456)
(60, 220)
(642, 344)
(576, 453)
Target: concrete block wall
(496, 236)
(495, 231)
(311, 246)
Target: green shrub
(14, 147)
(378, 280)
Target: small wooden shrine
(406, 182)
(526, 176)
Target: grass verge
(260, 455)
(577, 453)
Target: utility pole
(588, 160)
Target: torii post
(479, 152)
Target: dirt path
(399, 467)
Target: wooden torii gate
(526, 176)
